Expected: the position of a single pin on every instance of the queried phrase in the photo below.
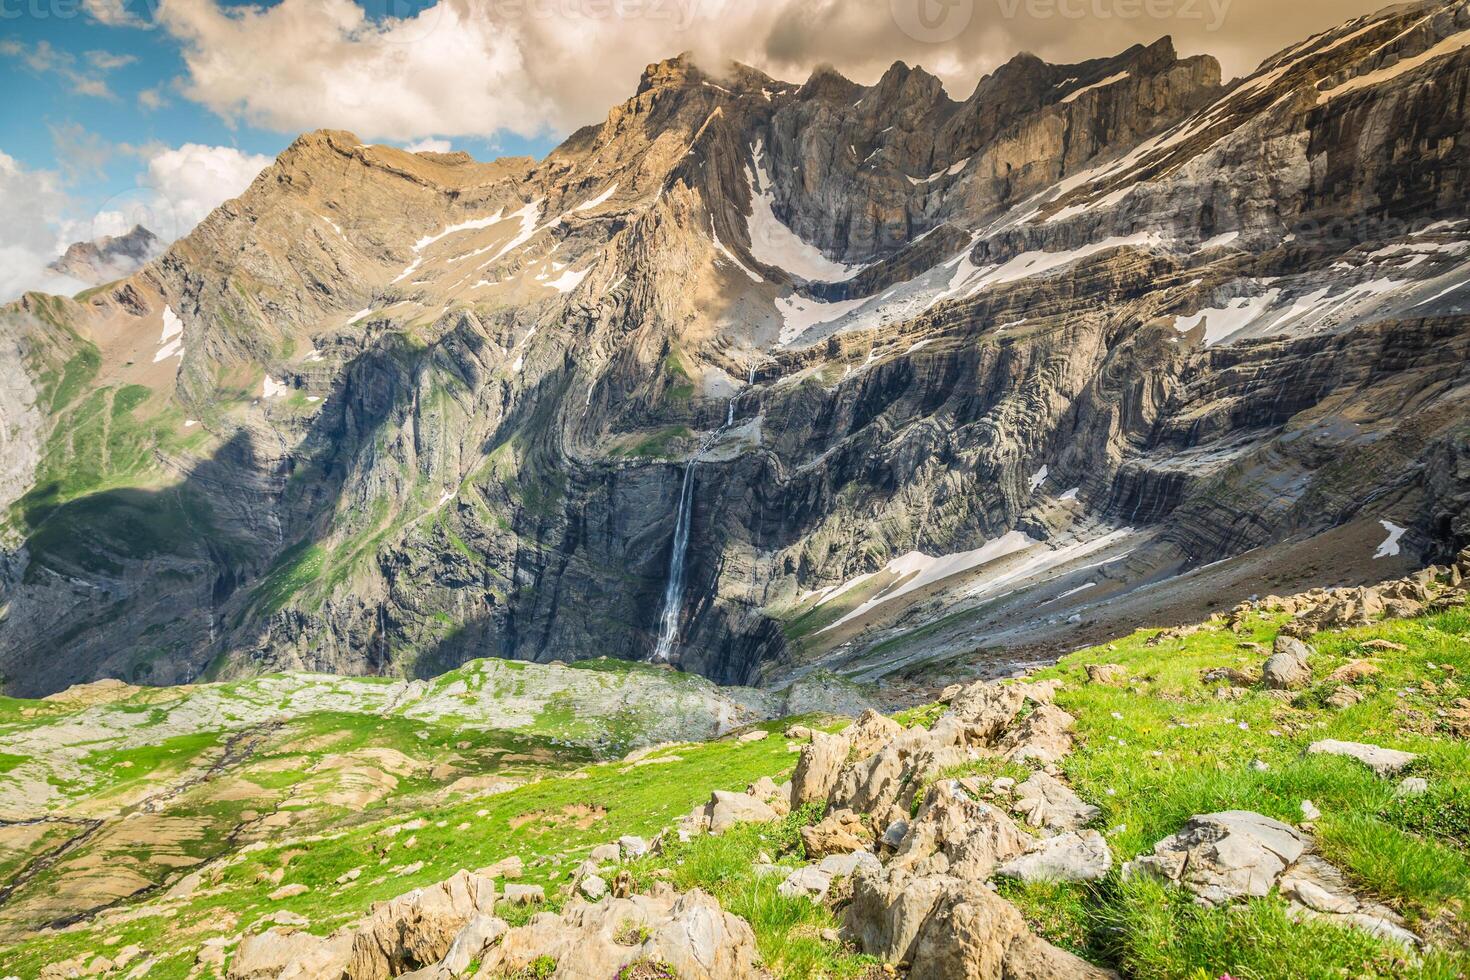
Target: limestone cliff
(921, 382)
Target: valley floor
(1168, 725)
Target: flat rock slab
(1221, 857)
(1385, 762)
(1080, 856)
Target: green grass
(1151, 752)
(659, 445)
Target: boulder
(870, 733)
(952, 834)
(984, 710)
(777, 797)
(1385, 762)
(416, 929)
(1077, 856)
(265, 955)
(888, 909)
(847, 865)
(1044, 736)
(1045, 801)
(728, 809)
(839, 832)
(478, 935)
(1286, 669)
(1106, 673)
(974, 934)
(606, 852)
(1040, 692)
(1344, 697)
(818, 767)
(630, 847)
(690, 933)
(758, 735)
(1412, 786)
(809, 882)
(525, 894)
(510, 867)
(1221, 857)
(592, 887)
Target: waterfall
(668, 629)
(668, 626)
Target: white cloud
(39, 219)
(113, 13)
(193, 180)
(472, 67)
(33, 211)
(430, 146)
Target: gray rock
(818, 767)
(592, 887)
(525, 894)
(630, 847)
(1286, 669)
(846, 865)
(1385, 762)
(1320, 890)
(1045, 801)
(607, 852)
(808, 882)
(728, 809)
(1221, 857)
(1078, 856)
(1412, 786)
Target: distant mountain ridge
(914, 386)
(109, 257)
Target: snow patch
(273, 388)
(569, 280)
(916, 570)
(1038, 478)
(171, 343)
(1110, 80)
(1390, 547)
(801, 314)
(720, 247)
(1071, 592)
(1449, 45)
(772, 243)
(359, 315)
(598, 200)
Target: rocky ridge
(1028, 366)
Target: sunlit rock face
(962, 383)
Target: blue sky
(98, 142)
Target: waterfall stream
(668, 625)
(668, 628)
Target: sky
(115, 112)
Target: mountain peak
(109, 257)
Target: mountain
(109, 257)
(769, 379)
